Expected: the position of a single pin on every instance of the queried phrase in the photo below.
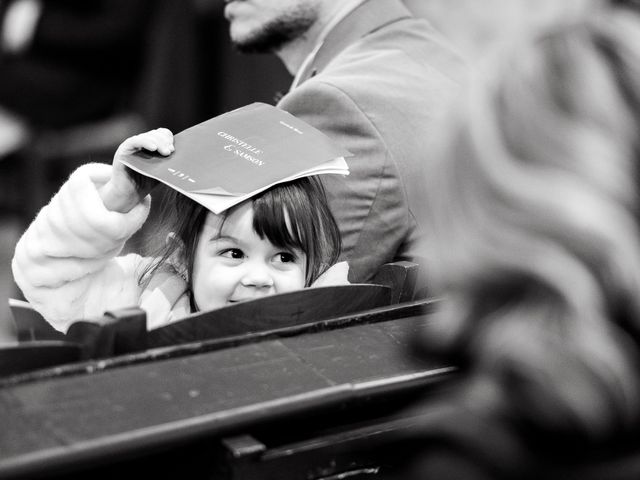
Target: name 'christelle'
(242, 149)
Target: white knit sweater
(66, 263)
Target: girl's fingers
(163, 140)
(159, 140)
(161, 135)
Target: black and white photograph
(320, 239)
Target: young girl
(66, 263)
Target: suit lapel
(365, 19)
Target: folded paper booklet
(229, 158)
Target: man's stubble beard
(272, 36)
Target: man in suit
(374, 79)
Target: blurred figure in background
(535, 247)
(69, 63)
(65, 62)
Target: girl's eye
(232, 253)
(285, 257)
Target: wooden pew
(30, 325)
(183, 414)
(373, 448)
(302, 393)
(124, 331)
(399, 277)
(29, 356)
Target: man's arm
(369, 204)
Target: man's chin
(257, 43)
(270, 37)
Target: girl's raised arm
(127, 188)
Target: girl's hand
(127, 188)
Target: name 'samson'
(236, 149)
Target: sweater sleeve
(66, 262)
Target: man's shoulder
(407, 63)
(406, 55)
(407, 46)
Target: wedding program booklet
(229, 158)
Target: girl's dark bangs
(269, 216)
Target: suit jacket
(376, 86)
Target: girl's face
(235, 264)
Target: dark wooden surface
(124, 331)
(376, 315)
(76, 420)
(356, 450)
(29, 324)
(273, 312)
(401, 277)
(28, 356)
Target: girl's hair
(534, 204)
(291, 215)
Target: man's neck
(294, 53)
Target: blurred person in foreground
(476, 28)
(534, 207)
(373, 78)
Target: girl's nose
(258, 276)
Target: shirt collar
(346, 9)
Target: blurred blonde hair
(534, 205)
(476, 28)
